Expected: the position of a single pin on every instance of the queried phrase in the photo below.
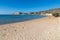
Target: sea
(6, 19)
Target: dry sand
(38, 29)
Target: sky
(11, 6)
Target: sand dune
(40, 29)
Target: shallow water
(5, 19)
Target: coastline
(38, 29)
(8, 19)
(26, 21)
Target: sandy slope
(39, 29)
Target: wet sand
(39, 29)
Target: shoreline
(40, 29)
(17, 19)
(25, 21)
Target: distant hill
(56, 10)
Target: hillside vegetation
(50, 11)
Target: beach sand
(47, 28)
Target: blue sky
(10, 6)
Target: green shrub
(56, 14)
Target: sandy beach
(47, 28)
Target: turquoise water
(5, 19)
